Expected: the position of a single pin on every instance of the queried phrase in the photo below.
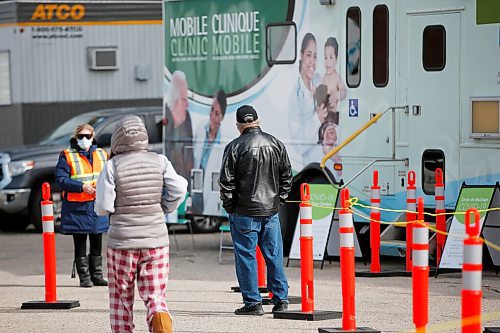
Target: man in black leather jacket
(255, 180)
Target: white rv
(318, 70)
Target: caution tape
(353, 201)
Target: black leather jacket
(256, 174)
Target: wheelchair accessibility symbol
(353, 108)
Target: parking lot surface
(200, 298)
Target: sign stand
(480, 197)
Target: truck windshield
(63, 133)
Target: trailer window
(281, 43)
(485, 116)
(353, 47)
(5, 96)
(431, 160)
(434, 48)
(380, 46)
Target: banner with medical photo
(479, 197)
(323, 195)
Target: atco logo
(58, 11)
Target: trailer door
(433, 95)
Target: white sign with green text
(470, 197)
(323, 199)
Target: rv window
(215, 181)
(485, 117)
(380, 46)
(281, 43)
(5, 98)
(434, 48)
(197, 180)
(431, 160)
(353, 47)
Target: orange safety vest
(82, 171)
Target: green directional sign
(473, 197)
(323, 195)
(219, 44)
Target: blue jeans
(247, 232)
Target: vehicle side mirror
(104, 140)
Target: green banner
(322, 195)
(219, 44)
(473, 197)
(487, 11)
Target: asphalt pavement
(200, 298)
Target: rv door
(429, 133)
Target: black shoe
(95, 270)
(254, 310)
(280, 306)
(82, 268)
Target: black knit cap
(246, 114)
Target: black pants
(80, 241)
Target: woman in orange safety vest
(76, 174)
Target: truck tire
(34, 210)
(205, 224)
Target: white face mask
(84, 143)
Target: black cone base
(337, 330)
(368, 274)
(492, 330)
(291, 300)
(382, 274)
(261, 289)
(309, 316)
(59, 305)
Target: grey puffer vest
(138, 220)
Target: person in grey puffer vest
(136, 188)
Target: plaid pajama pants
(150, 267)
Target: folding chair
(223, 228)
(178, 218)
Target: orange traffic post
(261, 276)
(347, 264)
(375, 225)
(261, 281)
(347, 270)
(472, 270)
(49, 258)
(261, 269)
(411, 207)
(375, 219)
(440, 215)
(420, 270)
(306, 251)
(306, 266)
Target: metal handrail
(356, 134)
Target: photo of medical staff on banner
(314, 112)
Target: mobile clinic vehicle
(434, 65)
